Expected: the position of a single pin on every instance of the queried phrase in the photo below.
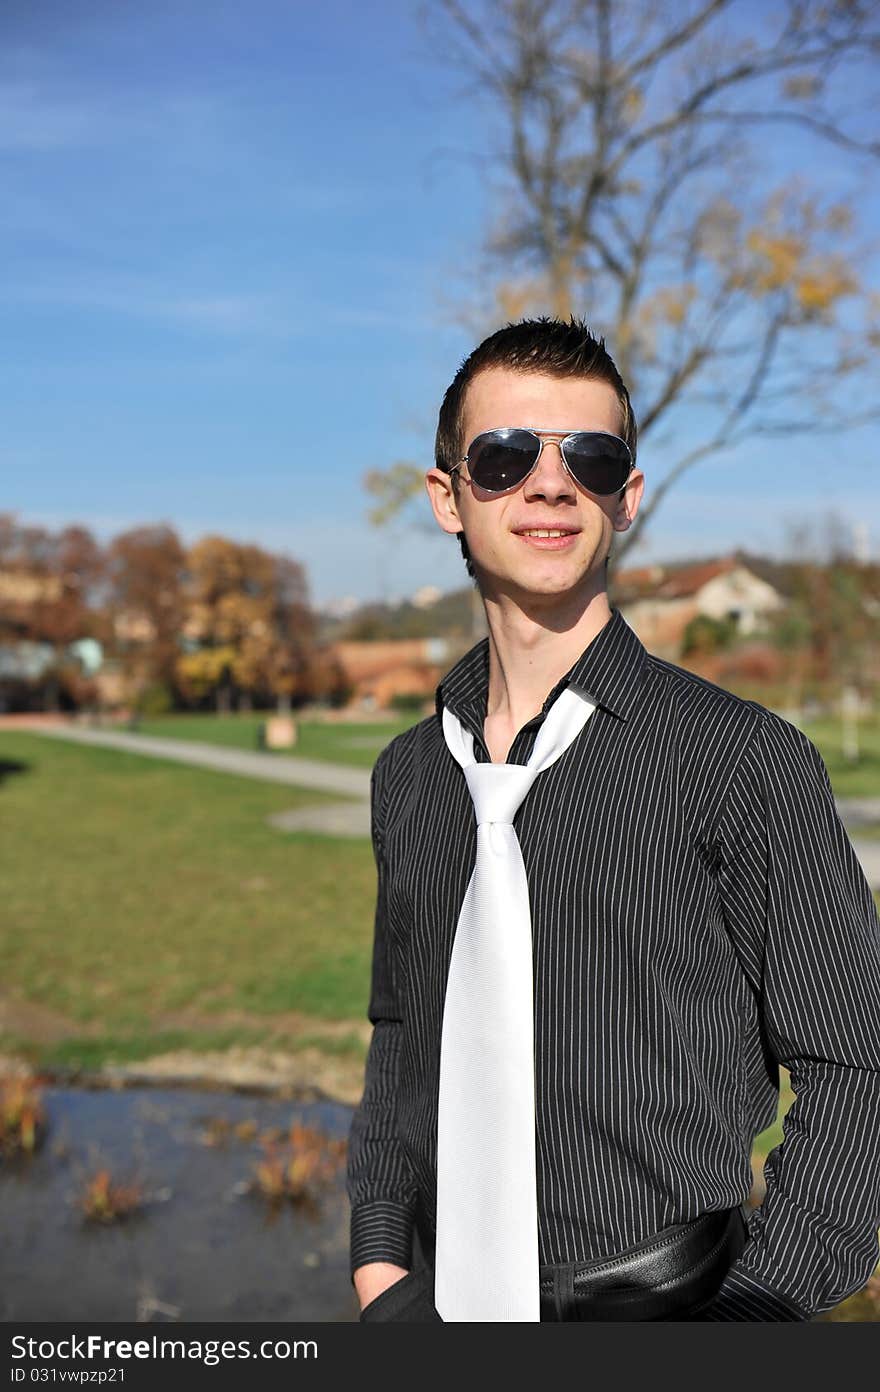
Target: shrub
(154, 700)
(22, 1116)
(705, 634)
(104, 1202)
(299, 1169)
(407, 701)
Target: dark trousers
(671, 1276)
(411, 1299)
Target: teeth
(545, 534)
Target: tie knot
(498, 790)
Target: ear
(627, 506)
(443, 500)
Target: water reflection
(203, 1247)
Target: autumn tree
(249, 625)
(145, 571)
(49, 594)
(637, 178)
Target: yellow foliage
(393, 487)
(670, 304)
(777, 258)
(200, 671)
(633, 105)
(517, 298)
(820, 289)
(785, 251)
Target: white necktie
(487, 1205)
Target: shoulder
(711, 713)
(394, 779)
(730, 731)
(397, 760)
(697, 698)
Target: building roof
(364, 660)
(671, 581)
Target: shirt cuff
(741, 1297)
(381, 1231)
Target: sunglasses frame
(558, 437)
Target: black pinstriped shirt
(699, 916)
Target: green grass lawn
(772, 1137)
(356, 744)
(135, 888)
(849, 779)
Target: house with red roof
(659, 601)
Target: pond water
(202, 1248)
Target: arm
(802, 919)
(380, 1186)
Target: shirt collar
(610, 670)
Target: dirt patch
(27, 1020)
(307, 1075)
(286, 1024)
(301, 1070)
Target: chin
(548, 586)
(557, 578)
(541, 576)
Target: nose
(550, 479)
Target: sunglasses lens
(601, 463)
(501, 459)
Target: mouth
(548, 538)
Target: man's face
(504, 557)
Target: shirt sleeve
(381, 1188)
(803, 921)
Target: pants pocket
(407, 1301)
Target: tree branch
(676, 40)
(826, 129)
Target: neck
(532, 646)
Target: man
(695, 917)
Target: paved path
(858, 812)
(273, 768)
(352, 818)
(868, 853)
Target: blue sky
(231, 235)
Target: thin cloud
(378, 319)
(37, 115)
(223, 313)
(32, 120)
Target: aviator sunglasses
(500, 460)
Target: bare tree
(829, 626)
(638, 180)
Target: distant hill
(452, 616)
(458, 614)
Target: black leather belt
(671, 1275)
